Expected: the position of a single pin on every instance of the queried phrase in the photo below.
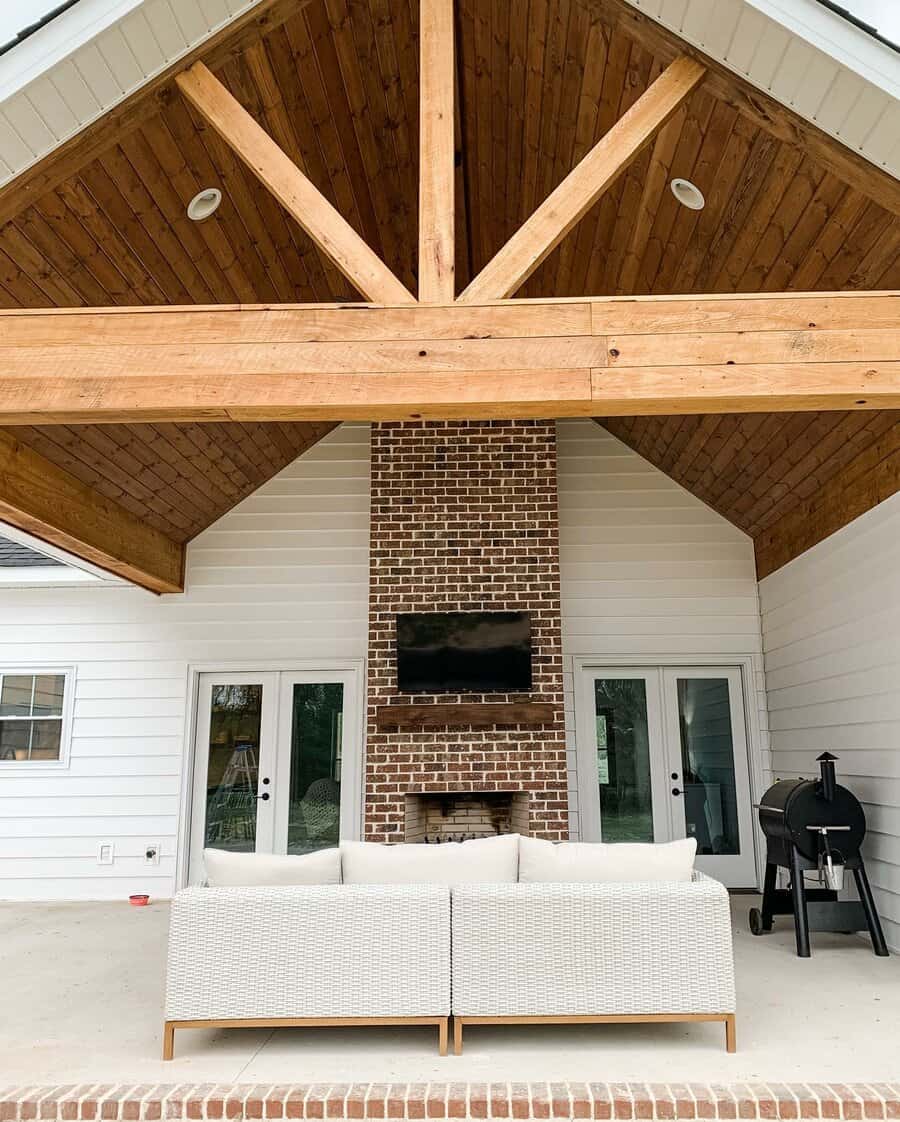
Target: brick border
(126, 1102)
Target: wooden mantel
(574, 358)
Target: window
(32, 716)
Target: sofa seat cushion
(237, 870)
(599, 862)
(493, 860)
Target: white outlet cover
(106, 853)
(154, 860)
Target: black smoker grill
(815, 824)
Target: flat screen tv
(464, 652)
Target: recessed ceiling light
(687, 194)
(204, 203)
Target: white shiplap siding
(831, 629)
(283, 576)
(646, 569)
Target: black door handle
(676, 791)
(263, 796)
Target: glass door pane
(232, 774)
(623, 760)
(707, 764)
(314, 783)
(232, 806)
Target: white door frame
(750, 666)
(354, 726)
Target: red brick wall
(464, 518)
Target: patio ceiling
(102, 221)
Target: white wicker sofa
(488, 950)
(308, 955)
(592, 952)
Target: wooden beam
(437, 170)
(600, 357)
(332, 234)
(583, 186)
(874, 475)
(112, 127)
(755, 104)
(48, 502)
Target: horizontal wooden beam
(600, 357)
(48, 502)
(564, 207)
(330, 231)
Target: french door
(276, 763)
(663, 755)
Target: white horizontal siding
(283, 576)
(646, 569)
(831, 629)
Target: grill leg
(798, 891)
(768, 900)
(868, 903)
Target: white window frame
(65, 736)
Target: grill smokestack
(828, 781)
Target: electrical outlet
(106, 853)
(151, 853)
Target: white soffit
(85, 61)
(807, 57)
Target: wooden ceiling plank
(517, 108)
(814, 217)
(218, 454)
(174, 167)
(658, 175)
(437, 174)
(40, 498)
(738, 206)
(879, 257)
(30, 262)
(332, 233)
(177, 449)
(119, 214)
(728, 270)
(866, 232)
(148, 214)
(709, 156)
(873, 476)
(829, 241)
(538, 34)
(497, 19)
(788, 213)
(669, 212)
(753, 103)
(55, 250)
(583, 186)
(577, 247)
(643, 71)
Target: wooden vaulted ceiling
(335, 82)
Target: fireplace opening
(448, 816)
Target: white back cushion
(492, 860)
(581, 862)
(232, 870)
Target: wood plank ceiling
(335, 82)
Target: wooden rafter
(599, 357)
(437, 170)
(572, 199)
(333, 235)
(44, 500)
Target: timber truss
(435, 355)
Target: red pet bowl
(139, 900)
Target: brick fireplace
(464, 518)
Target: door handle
(676, 791)
(263, 796)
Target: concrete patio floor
(82, 992)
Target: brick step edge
(126, 1102)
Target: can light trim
(688, 194)
(204, 204)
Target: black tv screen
(464, 652)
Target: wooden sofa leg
(457, 1036)
(443, 1033)
(168, 1040)
(730, 1033)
